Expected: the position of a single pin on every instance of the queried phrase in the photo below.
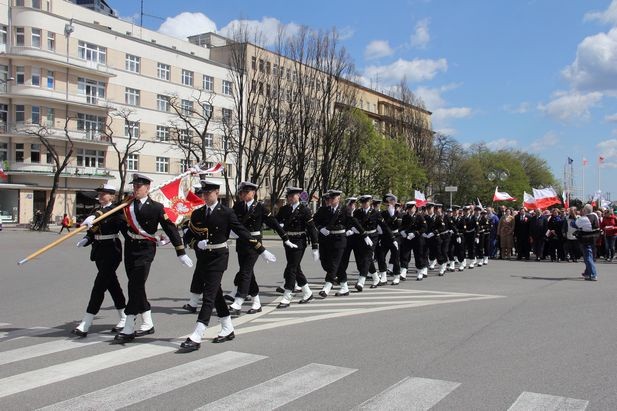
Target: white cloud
(377, 49)
(447, 131)
(435, 102)
(611, 118)
(608, 148)
(414, 71)
(501, 144)
(522, 108)
(548, 140)
(264, 32)
(607, 16)
(442, 114)
(432, 97)
(573, 105)
(595, 66)
(421, 36)
(186, 24)
(345, 33)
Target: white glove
(324, 231)
(88, 221)
(268, 256)
(379, 230)
(411, 236)
(290, 244)
(82, 242)
(162, 241)
(233, 235)
(282, 225)
(477, 240)
(186, 260)
(403, 233)
(368, 241)
(431, 235)
(202, 244)
(459, 240)
(355, 230)
(315, 255)
(396, 244)
(391, 210)
(348, 233)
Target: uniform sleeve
(353, 222)
(385, 228)
(270, 221)
(172, 232)
(243, 233)
(311, 229)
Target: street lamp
(497, 175)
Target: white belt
(394, 231)
(295, 233)
(370, 231)
(100, 237)
(137, 236)
(338, 232)
(216, 246)
(255, 232)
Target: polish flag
(566, 199)
(528, 201)
(502, 196)
(420, 199)
(212, 170)
(545, 197)
(2, 173)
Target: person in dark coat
(521, 234)
(538, 228)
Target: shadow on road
(528, 277)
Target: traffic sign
(451, 189)
(304, 196)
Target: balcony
(45, 94)
(52, 132)
(48, 170)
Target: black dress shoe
(308, 300)
(116, 330)
(282, 305)
(280, 290)
(228, 298)
(79, 333)
(189, 345)
(141, 333)
(419, 278)
(323, 294)
(403, 278)
(190, 308)
(123, 338)
(254, 310)
(374, 285)
(234, 313)
(220, 339)
(359, 288)
(339, 294)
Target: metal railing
(46, 169)
(47, 129)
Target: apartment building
(63, 66)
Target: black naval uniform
(461, 227)
(252, 218)
(300, 228)
(369, 221)
(214, 226)
(386, 243)
(484, 232)
(444, 235)
(107, 254)
(406, 245)
(451, 227)
(471, 233)
(139, 251)
(418, 228)
(433, 244)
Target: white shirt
(212, 207)
(294, 206)
(584, 223)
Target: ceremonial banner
(420, 199)
(545, 197)
(502, 196)
(528, 201)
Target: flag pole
(192, 170)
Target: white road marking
(26, 332)
(60, 372)
(4, 324)
(410, 394)
(543, 402)
(146, 387)
(281, 390)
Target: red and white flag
(585, 162)
(2, 173)
(528, 201)
(420, 199)
(566, 199)
(215, 169)
(545, 197)
(502, 196)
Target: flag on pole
(420, 199)
(545, 197)
(601, 160)
(479, 203)
(570, 160)
(566, 199)
(585, 162)
(502, 196)
(212, 170)
(528, 201)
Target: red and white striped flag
(545, 197)
(420, 199)
(2, 173)
(502, 196)
(528, 201)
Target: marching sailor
(389, 242)
(406, 244)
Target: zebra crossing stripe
(534, 401)
(51, 347)
(60, 372)
(410, 394)
(26, 332)
(281, 390)
(142, 388)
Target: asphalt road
(512, 335)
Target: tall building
(100, 6)
(64, 66)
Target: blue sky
(535, 75)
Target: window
(36, 4)
(131, 129)
(51, 82)
(261, 65)
(19, 152)
(187, 107)
(36, 76)
(184, 165)
(187, 77)
(92, 89)
(131, 96)
(132, 63)
(51, 41)
(162, 133)
(254, 63)
(208, 83)
(51, 117)
(162, 164)
(226, 116)
(162, 102)
(20, 37)
(267, 67)
(3, 34)
(20, 77)
(132, 162)
(227, 87)
(36, 38)
(208, 140)
(90, 158)
(35, 153)
(207, 111)
(4, 151)
(224, 141)
(90, 124)
(184, 136)
(36, 115)
(92, 52)
(163, 71)
(20, 113)
(275, 70)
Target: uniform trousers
(482, 246)
(458, 250)
(245, 277)
(444, 248)
(470, 245)
(385, 246)
(293, 272)
(419, 252)
(405, 257)
(434, 247)
(341, 274)
(210, 267)
(106, 280)
(331, 253)
(138, 256)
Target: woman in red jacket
(66, 223)
(609, 228)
